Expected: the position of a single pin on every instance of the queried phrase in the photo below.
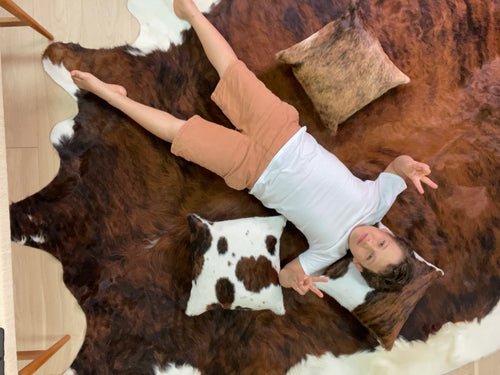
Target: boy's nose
(369, 242)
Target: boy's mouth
(362, 238)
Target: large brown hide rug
(115, 215)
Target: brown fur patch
(222, 245)
(200, 241)
(224, 290)
(271, 242)
(256, 274)
(339, 268)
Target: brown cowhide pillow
(342, 68)
(236, 264)
(383, 313)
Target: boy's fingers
(319, 279)
(306, 284)
(426, 168)
(316, 291)
(418, 185)
(428, 181)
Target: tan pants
(264, 123)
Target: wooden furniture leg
(39, 357)
(21, 18)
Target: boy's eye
(382, 243)
(370, 256)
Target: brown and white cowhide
(236, 264)
(115, 215)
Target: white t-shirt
(315, 191)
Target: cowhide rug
(115, 215)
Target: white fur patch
(306, 42)
(61, 76)
(454, 345)
(63, 129)
(160, 27)
(349, 290)
(38, 238)
(20, 241)
(426, 262)
(70, 371)
(172, 369)
(151, 243)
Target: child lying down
(284, 167)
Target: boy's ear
(358, 266)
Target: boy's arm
(293, 276)
(405, 167)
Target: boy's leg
(243, 98)
(228, 153)
(160, 123)
(237, 158)
(217, 49)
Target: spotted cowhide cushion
(383, 313)
(236, 264)
(342, 68)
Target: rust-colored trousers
(264, 124)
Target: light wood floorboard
(44, 308)
(33, 103)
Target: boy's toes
(76, 74)
(81, 79)
(184, 8)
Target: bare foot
(89, 82)
(185, 9)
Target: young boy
(281, 164)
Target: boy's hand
(304, 284)
(417, 172)
(293, 276)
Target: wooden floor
(33, 104)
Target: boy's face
(374, 249)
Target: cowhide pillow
(236, 264)
(342, 68)
(383, 313)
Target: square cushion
(236, 264)
(383, 313)
(342, 68)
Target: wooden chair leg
(24, 18)
(39, 356)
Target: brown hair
(395, 276)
